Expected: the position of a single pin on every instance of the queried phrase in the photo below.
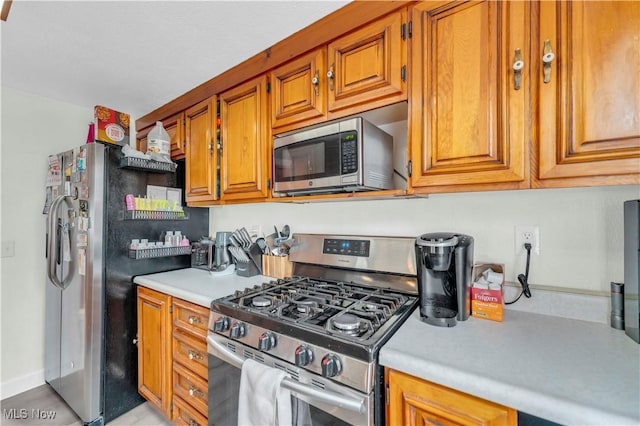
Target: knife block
(277, 266)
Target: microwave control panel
(346, 247)
(349, 147)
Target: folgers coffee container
(487, 296)
(111, 126)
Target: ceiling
(135, 56)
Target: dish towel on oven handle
(262, 401)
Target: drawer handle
(194, 391)
(194, 320)
(194, 355)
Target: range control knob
(331, 365)
(304, 355)
(266, 341)
(221, 325)
(238, 330)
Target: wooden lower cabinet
(154, 348)
(413, 401)
(172, 356)
(190, 363)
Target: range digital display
(346, 247)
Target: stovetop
(343, 310)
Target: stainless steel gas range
(323, 326)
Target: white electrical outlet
(255, 231)
(527, 234)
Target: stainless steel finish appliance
(202, 254)
(445, 262)
(222, 256)
(90, 330)
(324, 327)
(342, 156)
(632, 269)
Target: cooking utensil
(286, 232)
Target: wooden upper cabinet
(201, 153)
(154, 348)
(367, 65)
(244, 165)
(468, 123)
(413, 401)
(295, 89)
(362, 70)
(589, 107)
(174, 126)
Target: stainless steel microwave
(342, 156)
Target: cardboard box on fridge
(111, 126)
(487, 303)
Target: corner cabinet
(587, 68)
(468, 127)
(362, 70)
(154, 348)
(412, 401)
(245, 147)
(201, 153)
(174, 126)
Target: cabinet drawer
(186, 415)
(191, 318)
(191, 352)
(191, 388)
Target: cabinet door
(367, 65)
(201, 154)
(589, 108)
(244, 166)
(154, 348)
(469, 126)
(174, 126)
(413, 401)
(299, 89)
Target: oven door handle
(322, 395)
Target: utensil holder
(277, 266)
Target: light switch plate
(8, 248)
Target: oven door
(314, 398)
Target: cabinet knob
(194, 355)
(316, 83)
(330, 76)
(194, 391)
(518, 65)
(194, 320)
(547, 57)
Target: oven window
(304, 414)
(312, 159)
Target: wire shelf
(150, 253)
(154, 215)
(147, 165)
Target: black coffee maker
(444, 262)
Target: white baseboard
(20, 384)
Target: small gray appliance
(444, 262)
(222, 257)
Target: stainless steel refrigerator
(90, 330)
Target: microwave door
(311, 164)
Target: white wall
(32, 128)
(581, 230)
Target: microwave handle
(322, 395)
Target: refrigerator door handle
(55, 252)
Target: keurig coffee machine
(444, 262)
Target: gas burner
(346, 322)
(305, 306)
(261, 302)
